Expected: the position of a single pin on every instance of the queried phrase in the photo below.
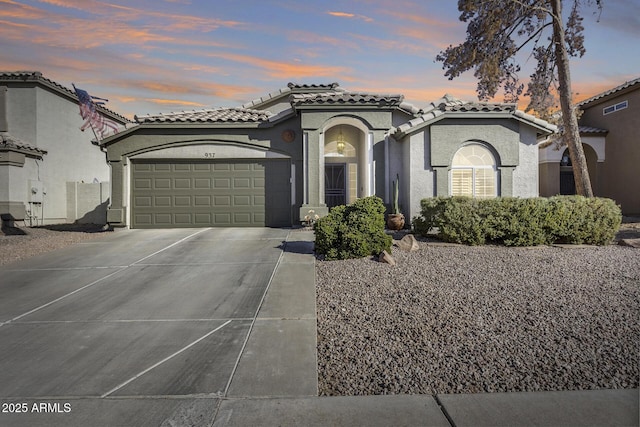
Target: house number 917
(210, 155)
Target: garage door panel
(143, 201)
(162, 184)
(209, 194)
(182, 167)
(242, 201)
(142, 167)
(143, 219)
(258, 183)
(222, 201)
(222, 183)
(182, 219)
(202, 183)
(163, 219)
(182, 201)
(202, 201)
(182, 183)
(162, 201)
(202, 219)
(242, 218)
(142, 183)
(241, 183)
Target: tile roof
(590, 129)
(291, 89)
(9, 141)
(210, 115)
(609, 92)
(330, 86)
(346, 98)
(483, 107)
(451, 105)
(36, 76)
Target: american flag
(100, 125)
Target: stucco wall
(525, 175)
(51, 122)
(620, 171)
(419, 176)
(502, 136)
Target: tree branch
(534, 35)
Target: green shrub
(431, 211)
(521, 222)
(515, 222)
(353, 231)
(460, 222)
(581, 220)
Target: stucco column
(442, 180)
(506, 181)
(314, 174)
(116, 211)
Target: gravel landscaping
(460, 319)
(18, 243)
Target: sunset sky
(152, 56)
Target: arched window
(473, 172)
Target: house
(609, 129)
(311, 147)
(50, 172)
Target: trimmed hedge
(353, 231)
(521, 222)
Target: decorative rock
(386, 257)
(408, 243)
(634, 243)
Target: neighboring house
(50, 172)
(311, 147)
(609, 129)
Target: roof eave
(38, 154)
(182, 125)
(612, 93)
(543, 128)
(38, 79)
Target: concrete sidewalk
(276, 382)
(567, 408)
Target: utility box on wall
(35, 191)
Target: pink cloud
(281, 69)
(350, 15)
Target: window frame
(615, 107)
(474, 169)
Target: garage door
(210, 194)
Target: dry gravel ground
(18, 243)
(459, 319)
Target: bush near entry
(521, 222)
(353, 231)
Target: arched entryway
(567, 181)
(344, 171)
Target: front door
(335, 184)
(567, 182)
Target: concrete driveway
(146, 327)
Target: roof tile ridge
(618, 88)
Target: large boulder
(408, 243)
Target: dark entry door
(335, 185)
(567, 182)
